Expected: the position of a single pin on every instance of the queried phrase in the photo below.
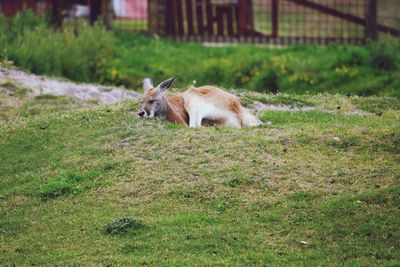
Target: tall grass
(79, 52)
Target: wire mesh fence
(296, 20)
(389, 13)
(12, 7)
(272, 21)
(282, 21)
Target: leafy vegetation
(299, 69)
(79, 52)
(314, 188)
(91, 54)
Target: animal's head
(154, 102)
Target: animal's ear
(147, 84)
(162, 87)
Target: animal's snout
(142, 113)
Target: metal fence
(261, 21)
(266, 21)
(282, 21)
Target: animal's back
(208, 91)
(216, 96)
(225, 107)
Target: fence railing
(279, 21)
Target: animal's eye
(151, 101)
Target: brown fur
(202, 91)
(176, 112)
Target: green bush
(384, 56)
(266, 82)
(349, 56)
(78, 51)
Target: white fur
(249, 119)
(147, 84)
(199, 109)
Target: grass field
(101, 187)
(130, 25)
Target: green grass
(129, 25)
(377, 104)
(301, 118)
(19, 105)
(16, 101)
(68, 183)
(102, 187)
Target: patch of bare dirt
(46, 85)
(259, 106)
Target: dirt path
(46, 85)
(104, 94)
(39, 85)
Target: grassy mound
(314, 188)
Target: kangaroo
(206, 105)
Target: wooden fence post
(371, 20)
(275, 13)
(56, 13)
(156, 16)
(241, 18)
(107, 13)
(95, 10)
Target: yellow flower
(113, 73)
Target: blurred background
(262, 21)
(350, 47)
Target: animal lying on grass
(205, 105)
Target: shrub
(214, 74)
(246, 70)
(350, 56)
(78, 51)
(383, 55)
(266, 82)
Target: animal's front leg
(195, 120)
